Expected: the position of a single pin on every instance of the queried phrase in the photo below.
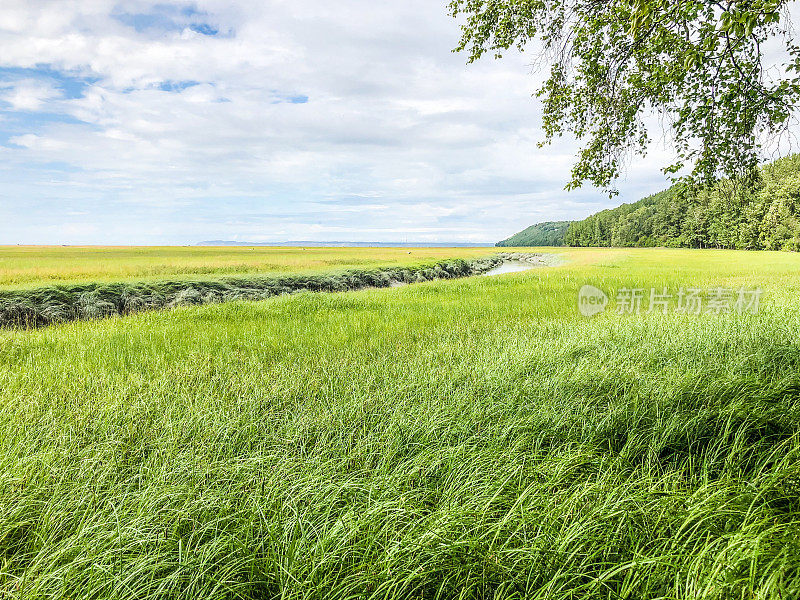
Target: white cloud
(184, 136)
(27, 94)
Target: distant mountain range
(348, 244)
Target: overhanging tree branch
(697, 62)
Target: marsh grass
(41, 306)
(35, 266)
(469, 438)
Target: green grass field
(470, 438)
(29, 266)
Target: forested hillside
(550, 233)
(761, 214)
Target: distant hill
(760, 214)
(550, 233)
(311, 244)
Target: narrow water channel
(511, 266)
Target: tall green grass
(470, 438)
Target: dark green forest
(760, 214)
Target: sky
(140, 122)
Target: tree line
(759, 213)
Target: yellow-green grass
(30, 266)
(470, 438)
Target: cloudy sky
(133, 122)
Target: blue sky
(176, 122)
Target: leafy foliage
(698, 64)
(760, 214)
(549, 233)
